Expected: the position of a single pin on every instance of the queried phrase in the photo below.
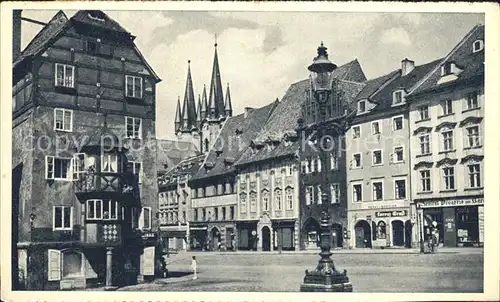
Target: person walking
(193, 267)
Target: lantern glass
(321, 80)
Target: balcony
(106, 184)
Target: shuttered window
(54, 266)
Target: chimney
(16, 33)
(247, 111)
(407, 66)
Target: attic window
(91, 47)
(361, 106)
(446, 69)
(97, 16)
(477, 46)
(397, 97)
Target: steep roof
(216, 98)
(44, 37)
(472, 64)
(383, 97)
(234, 138)
(284, 120)
(185, 167)
(170, 153)
(372, 85)
(60, 23)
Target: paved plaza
(459, 270)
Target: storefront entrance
(362, 231)
(266, 239)
(214, 239)
(398, 235)
(310, 233)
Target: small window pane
(67, 217)
(98, 209)
(58, 217)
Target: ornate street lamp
(325, 278)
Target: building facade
(380, 212)
(324, 132)
(83, 195)
(446, 138)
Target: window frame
(243, 203)
(69, 173)
(65, 67)
(64, 111)
(420, 111)
(449, 139)
(422, 179)
(139, 174)
(394, 154)
(277, 199)
(101, 218)
(480, 48)
(395, 93)
(428, 143)
(468, 137)
(139, 131)
(354, 132)
(354, 160)
(134, 78)
(468, 99)
(289, 198)
(381, 157)
(394, 123)
(109, 155)
(335, 193)
(381, 182)
(361, 102)
(446, 106)
(378, 126)
(477, 174)
(62, 228)
(396, 192)
(452, 176)
(142, 218)
(353, 185)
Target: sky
(262, 53)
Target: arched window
(289, 198)
(381, 230)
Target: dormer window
(397, 97)
(477, 46)
(447, 68)
(361, 106)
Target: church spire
(198, 112)
(228, 107)
(204, 105)
(189, 102)
(216, 99)
(178, 115)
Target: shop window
(381, 230)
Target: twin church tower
(201, 124)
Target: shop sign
(148, 235)
(198, 228)
(385, 214)
(452, 203)
(383, 206)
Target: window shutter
(54, 266)
(49, 167)
(141, 219)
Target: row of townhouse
(406, 154)
(415, 152)
(84, 189)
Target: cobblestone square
(449, 272)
